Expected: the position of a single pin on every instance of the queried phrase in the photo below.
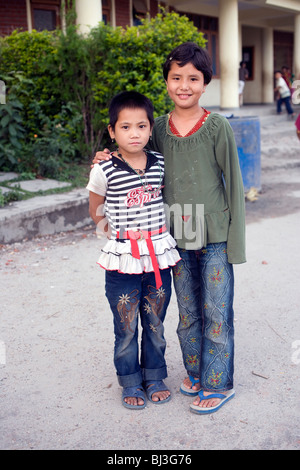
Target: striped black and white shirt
(133, 202)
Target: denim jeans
(204, 281)
(132, 296)
(287, 102)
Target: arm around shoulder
(97, 187)
(97, 213)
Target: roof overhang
(276, 14)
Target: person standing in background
(287, 76)
(243, 75)
(284, 94)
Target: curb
(44, 215)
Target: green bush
(54, 140)
(12, 130)
(77, 63)
(60, 85)
(28, 137)
(29, 54)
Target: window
(209, 26)
(45, 15)
(283, 49)
(44, 19)
(139, 10)
(248, 57)
(106, 9)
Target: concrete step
(41, 215)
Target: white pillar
(229, 52)
(89, 14)
(240, 42)
(28, 14)
(267, 66)
(113, 20)
(297, 47)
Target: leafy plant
(78, 60)
(28, 54)
(2, 200)
(10, 196)
(12, 131)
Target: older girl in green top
(204, 198)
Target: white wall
(253, 88)
(211, 97)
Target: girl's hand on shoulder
(101, 155)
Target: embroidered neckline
(193, 130)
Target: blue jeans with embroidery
(132, 296)
(204, 282)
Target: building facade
(264, 33)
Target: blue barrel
(246, 131)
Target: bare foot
(157, 391)
(209, 402)
(134, 401)
(161, 396)
(134, 397)
(188, 384)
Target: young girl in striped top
(126, 201)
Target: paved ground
(57, 382)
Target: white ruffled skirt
(117, 256)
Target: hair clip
(170, 58)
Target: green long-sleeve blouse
(202, 176)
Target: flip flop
(153, 386)
(136, 392)
(188, 391)
(202, 411)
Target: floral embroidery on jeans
(207, 279)
(177, 271)
(156, 298)
(147, 309)
(127, 308)
(192, 361)
(215, 378)
(153, 328)
(216, 330)
(185, 322)
(217, 277)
